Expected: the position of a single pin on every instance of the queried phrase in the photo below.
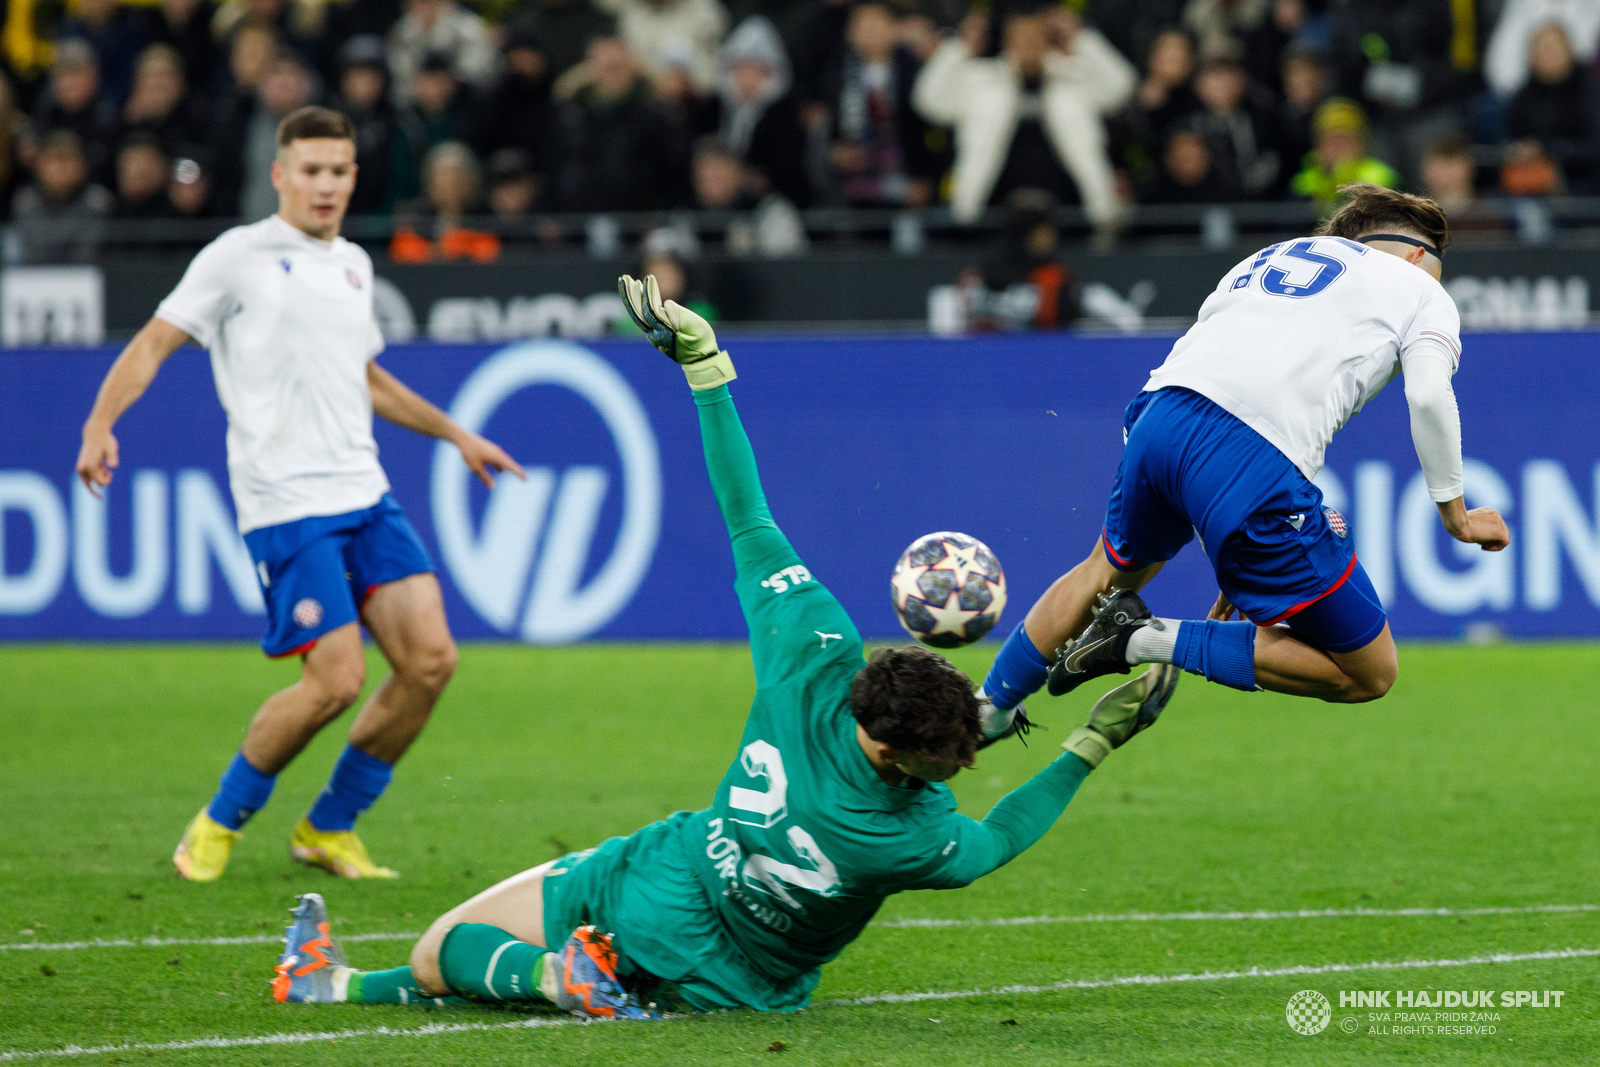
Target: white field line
(286, 1039)
(881, 998)
(892, 924)
(165, 942)
(1234, 916)
(1216, 976)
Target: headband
(1403, 239)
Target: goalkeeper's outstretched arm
(791, 615)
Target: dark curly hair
(918, 702)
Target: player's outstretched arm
(1026, 813)
(124, 383)
(791, 616)
(395, 401)
(1436, 432)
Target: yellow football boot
(339, 852)
(203, 853)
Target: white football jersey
(1299, 336)
(289, 323)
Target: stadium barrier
(864, 444)
(574, 295)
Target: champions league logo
(520, 564)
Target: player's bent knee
(341, 687)
(425, 966)
(432, 666)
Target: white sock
(1154, 643)
(341, 983)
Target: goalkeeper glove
(679, 333)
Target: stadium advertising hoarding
(574, 295)
(864, 445)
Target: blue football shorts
(316, 573)
(1280, 555)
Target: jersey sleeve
(375, 341)
(795, 622)
(206, 295)
(1436, 317)
(966, 849)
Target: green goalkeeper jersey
(803, 840)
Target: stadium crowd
(515, 108)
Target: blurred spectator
(250, 53)
(1305, 87)
(12, 126)
(440, 28)
(1340, 154)
(189, 189)
(143, 171)
(438, 112)
(1030, 118)
(1021, 284)
(612, 149)
(61, 217)
(1241, 134)
(1255, 31)
(1399, 57)
(513, 184)
(517, 111)
(185, 25)
(1166, 94)
(564, 28)
(1448, 173)
(431, 228)
(1505, 59)
(769, 224)
(364, 98)
(1187, 174)
(652, 27)
(71, 101)
(288, 85)
(116, 34)
(673, 275)
(758, 114)
(880, 145)
(819, 46)
(160, 104)
(694, 112)
(297, 24)
(1553, 121)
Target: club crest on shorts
(307, 613)
(1336, 522)
(352, 277)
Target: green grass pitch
(1472, 786)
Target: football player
(834, 802)
(1224, 442)
(285, 307)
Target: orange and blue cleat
(313, 968)
(588, 984)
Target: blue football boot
(587, 983)
(313, 968)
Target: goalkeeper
(833, 803)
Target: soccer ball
(948, 589)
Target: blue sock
(1221, 651)
(357, 780)
(1018, 671)
(241, 793)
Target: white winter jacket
(980, 98)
